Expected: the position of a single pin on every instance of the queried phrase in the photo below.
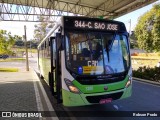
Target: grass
(145, 59)
(23, 50)
(8, 69)
(12, 59)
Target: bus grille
(96, 99)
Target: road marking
(38, 100)
(146, 83)
(49, 105)
(116, 107)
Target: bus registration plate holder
(107, 100)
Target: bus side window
(47, 49)
(54, 49)
(42, 49)
(45, 44)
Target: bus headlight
(71, 87)
(129, 82)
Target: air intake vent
(96, 99)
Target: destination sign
(96, 25)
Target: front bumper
(72, 99)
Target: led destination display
(93, 24)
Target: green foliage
(6, 42)
(12, 60)
(133, 40)
(147, 30)
(147, 73)
(19, 43)
(41, 29)
(30, 44)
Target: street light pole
(25, 38)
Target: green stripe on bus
(71, 99)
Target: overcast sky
(17, 28)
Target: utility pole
(25, 38)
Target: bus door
(58, 68)
(55, 75)
(53, 65)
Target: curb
(147, 81)
(46, 99)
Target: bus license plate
(103, 101)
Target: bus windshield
(96, 53)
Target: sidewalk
(22, 91)
(17, 91)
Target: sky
(17, 28)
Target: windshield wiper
(109, 46)
(107, 50)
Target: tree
(133, 40)
(147, 30)
(33, 44)
(6, 42)
(41, 29)
(18, 41)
